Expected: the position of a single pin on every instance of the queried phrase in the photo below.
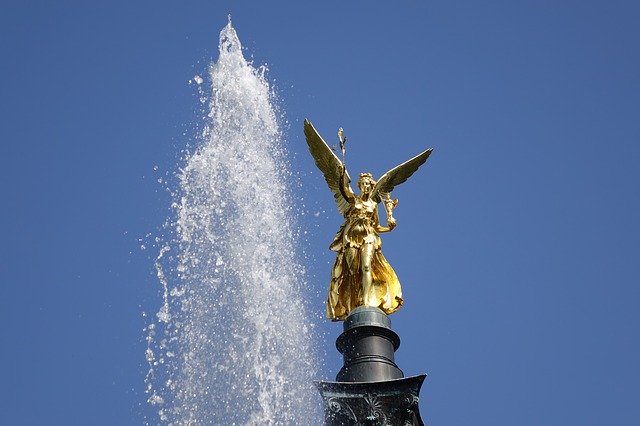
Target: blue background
(517, 244)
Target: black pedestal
(368, 345)
(387, 403)
(370, 388)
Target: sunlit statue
(361, 275)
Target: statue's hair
(367, 176)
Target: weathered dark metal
(387, 403)
(368, 345)
(370, 388)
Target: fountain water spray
(232, 342)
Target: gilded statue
(360, 275)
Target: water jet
(232, 343)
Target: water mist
(232, 342)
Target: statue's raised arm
(360, 275)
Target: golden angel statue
(361, 275)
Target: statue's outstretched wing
(398, 174)
(329, 164)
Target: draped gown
(346, 291)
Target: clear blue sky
(517, 245)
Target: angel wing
(330, 166)
(398, 175)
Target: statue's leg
(366, 257)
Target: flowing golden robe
(346, 289)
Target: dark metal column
(370, 389)
(368, 345)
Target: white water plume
(232, 343)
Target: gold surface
(360, 275)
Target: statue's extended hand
(391, 223)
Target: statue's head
(366, 183)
